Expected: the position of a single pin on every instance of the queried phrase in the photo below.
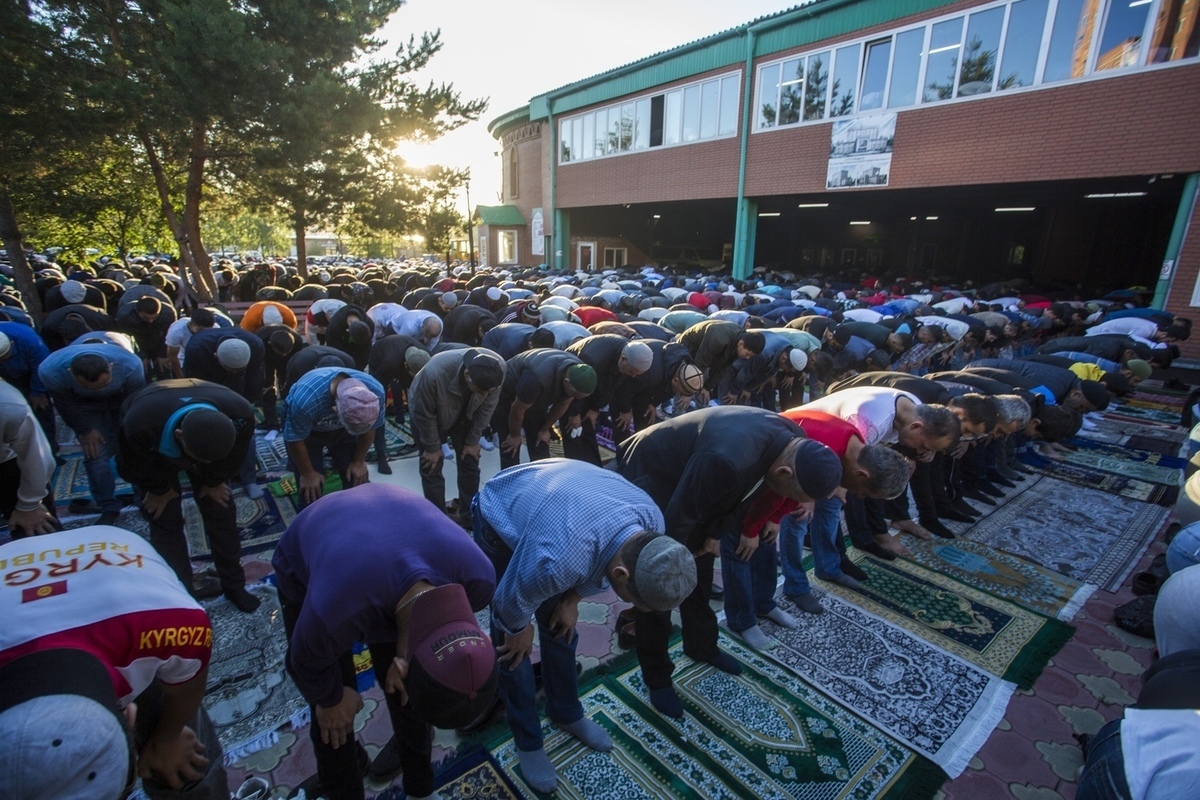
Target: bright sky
(513, 50)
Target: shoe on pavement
(447, 452)
(487, 444)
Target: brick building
(1056, 141)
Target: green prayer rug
(764, 734)
(260, 522)
(1002, 575)
(1000, 637)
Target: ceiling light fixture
(813, 205)
(860, 222)
(1017, 208)
(1102, 195)
(768, 213)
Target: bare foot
(893, 544)
(910, 526)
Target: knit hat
(798, 359)
(73, 291)
(1095, 393)
(61, 734)
(357, 406)
(818, 469)
(638, 355)
(452, 666)
(582, 378)
(233, 354)
(485, 369)
(415, 358)
(208, 435)
(5, 345)
(665, 574)
(1138, 367)
(691, 377)
(531, 312)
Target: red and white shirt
(107, 592)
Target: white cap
(799, 359)
(5, 345)
(233, 354)
(638, 355)
(272, 316)
(73, 291)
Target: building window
(1121, 35)
(506, 247)
(1070, 40)
(875, 73)
(1176, 33)
(512, 172)
(1022, 43)
(845, 81)
(614, 257)
(978, 72)
(906, 68)
(941, 70)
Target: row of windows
(992, 49)
(700, 111)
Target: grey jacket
(438, 398)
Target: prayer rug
(1124, 461)
(1002, 575)
(260, 522)
(934, 702)
(71, 481)
(474, 774)
(1155, 444)
(249, 695)
(1133, 488)
(764, 733)
(271, 454)
(1092, 536)
(1002, 638)
(1139, 413)
(399, 436)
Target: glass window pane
(691, 113)
(1026, 21)
(589, 136)
(945, 44)
(710, 97)
(564, 141)
(768, 96)
(1176, 33)
(845, 80)
(816, 86)
(729, 106)
(626, 127)
(906, 68)
(791, 91)
(577, 135)
(641, 128)
(978, 71)
(614, 129)
(1121, 36)
(875, 75)
(672, 118)
(657, 113)
(1070, 41)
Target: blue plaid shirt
(309, 406)
(564, 520)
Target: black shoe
(877, 550)
(108, 518)
(936, 527)
(990, 488)
(407, 451)
(383, 467)
(483, 720)
(853, 570)
(243, 600)
(386, 763)
(717, 593)
(975, 494)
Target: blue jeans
(1103, 775)
(558, 657)
(749, 585)
(102, 479)
(822, 530)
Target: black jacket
(461, 324)
(603, 354)
(57, 330)
(536, 377)
(386, 362)
(309, 358)
(200, 362)
(654, 385)
(337, 334)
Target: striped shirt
(309, 407)
(565, 520)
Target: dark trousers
(341, 446)
(10, 481)
(531, 426)
(338, 769)
(864, 518)
(214, 785)
(583, 447)
(220, 524)
(433, 483)
(699, 630)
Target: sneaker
(253, 789)
(487, 444)
(447, 453)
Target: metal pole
(470, 229)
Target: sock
(589, 733)
(755, 638)
(847, 581)
(667, 701)
(726, 663)
(807, 603)
(538, 770)
(782, 618)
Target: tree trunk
(301, 246)
(10, 235)
(190, 274)
(191, 206)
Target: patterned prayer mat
(71, 481)
(1002, 638)
(1092, 536)
(1126, 462)
(250, 696)
(260, 522)
(473, 775)
(1133, 488)
(934, 702)
(1139, 413)
(1002, 575)
(764, 733)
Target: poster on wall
(537, 233)
(860, 152)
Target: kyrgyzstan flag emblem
(43, 591)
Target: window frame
(501, 235)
